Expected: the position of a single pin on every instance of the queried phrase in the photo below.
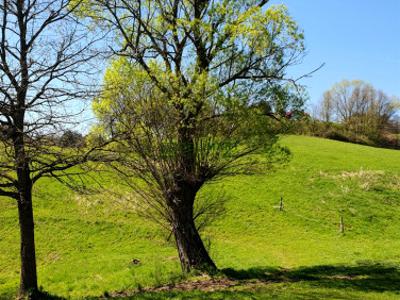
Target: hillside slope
(86, 243)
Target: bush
(71, 139)
(336, 135)
(341, 132)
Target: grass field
(85, 244)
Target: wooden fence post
(341, 225)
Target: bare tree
(359, 106)
(326, 109)
(199, 87)
(44, 55)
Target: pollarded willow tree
(196, 95)
(44, 55)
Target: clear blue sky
(357, 39)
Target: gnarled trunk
(192, 253)
(28, 280)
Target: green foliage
(226, 127)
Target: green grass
(85, 244)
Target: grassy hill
(86, 243)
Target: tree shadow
(325, 281)
(47, 296)
(367, 277)
(40, 295)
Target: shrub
(71, 139)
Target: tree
(44, 55)
(71, 139)
(196, 95)
(327, 107)
(359, 106)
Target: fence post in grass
(341, 225)
(281, 204)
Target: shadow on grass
(190, 295)
(364, 277)
(41, 295)
(46, 296)
(315, 282)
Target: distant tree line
(355, 111)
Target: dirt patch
(209, 285)
(206, 285)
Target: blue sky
(356, 39)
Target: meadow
(94, 245)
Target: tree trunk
(28, 281)
(192, 253)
